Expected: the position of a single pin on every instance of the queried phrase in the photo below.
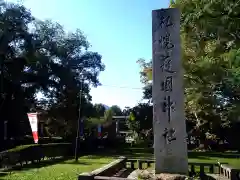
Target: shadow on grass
(201, 155)
(134, 153)
(80, 162)
(75, 162)
(148, 153)
(40, 164)
(43, 163)
(129, 153)
(4, 174)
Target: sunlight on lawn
(69, 170)
(61, 171)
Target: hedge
(34, 153)
(26, 140)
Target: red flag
(34, 125)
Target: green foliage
(133, 125)
(132, 117)
(40, 56)
(145, 70)
(140, 122)
(100, 116)
(116, 110)
(146, 78)
(95, 121)
(210, 42)
(108, 114)
(210, 54)
(99, 110)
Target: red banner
(34, 125)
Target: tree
(132, 123)
(210, 53)
(15, 48)
(140, 118)
(39, 56)
(116, 110)
(99, 110)
(146, 78)
(108, 115)
(101, 116)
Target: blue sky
(120, 30)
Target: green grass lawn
(65, 170)
(233, 159)
(68, 169)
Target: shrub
(26, 140)
(56, 150)
(33, 152)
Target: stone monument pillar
(170, 145)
